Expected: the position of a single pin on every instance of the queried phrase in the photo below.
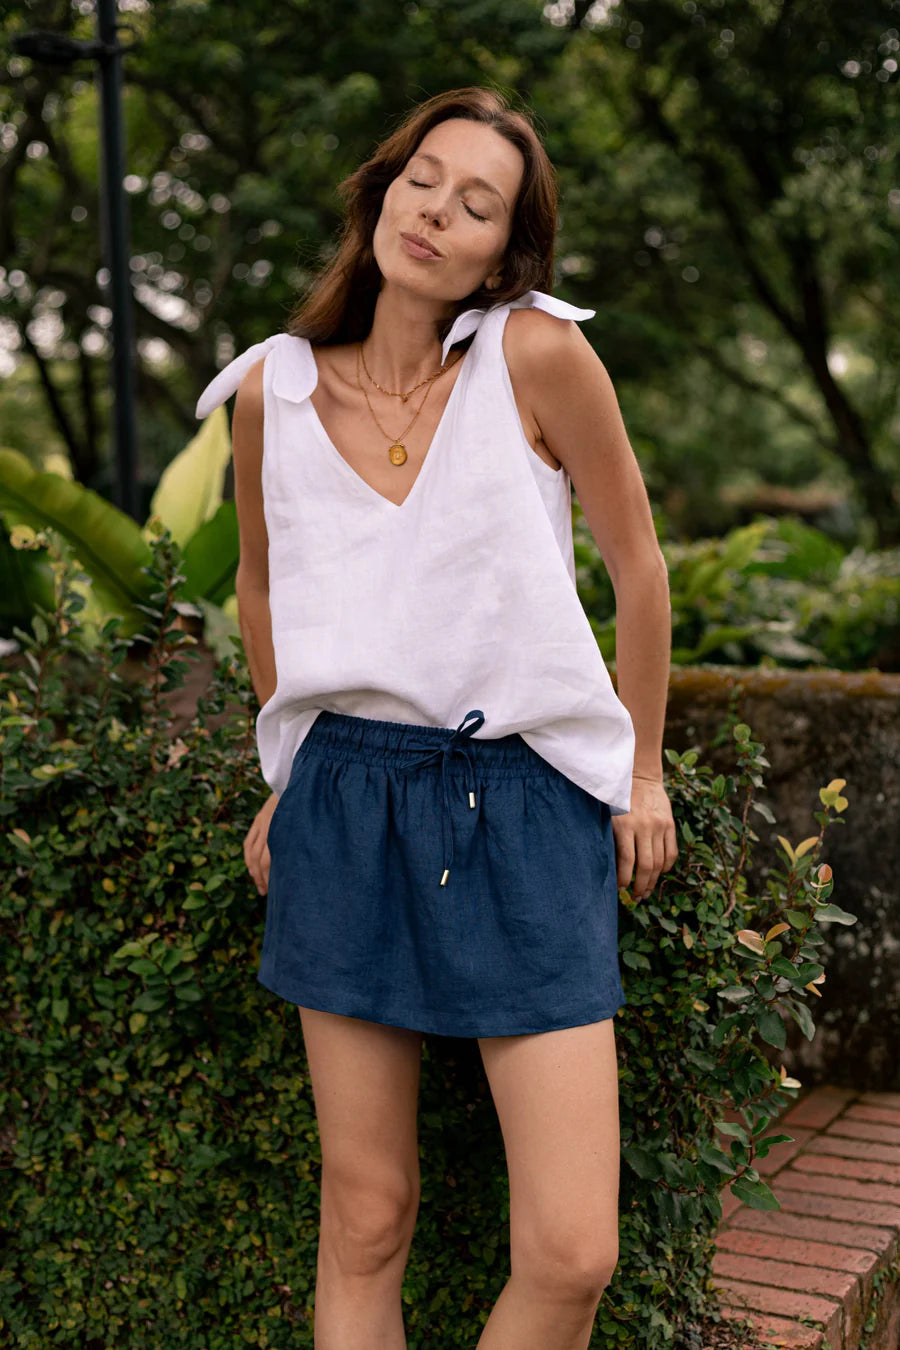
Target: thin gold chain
(395, 440)
(393, 394)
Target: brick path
(815, 1259)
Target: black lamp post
(56, 49)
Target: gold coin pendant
(397, 453)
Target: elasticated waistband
(369, 740)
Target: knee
(568, 1267)
(363, 1228)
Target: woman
(457, 789)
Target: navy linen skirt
(423, 879)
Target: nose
(435, 212)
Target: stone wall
(819, 725)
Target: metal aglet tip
(472, 800)
(445, 876)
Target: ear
(492, 282)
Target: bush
(160, 1145)
(776, 591)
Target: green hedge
(161, 1156)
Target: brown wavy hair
(339, 305)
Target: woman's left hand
(645, 838)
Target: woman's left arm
(567, 400)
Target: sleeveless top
(461, 597)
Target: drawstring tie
(455, 745)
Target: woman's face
(446, 220)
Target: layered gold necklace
(396, 449)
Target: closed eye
(474, 214)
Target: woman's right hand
(256, 845)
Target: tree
(773, 126)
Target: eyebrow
(477, 182)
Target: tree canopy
(730, 207)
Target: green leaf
(143, 967)
(716, 1158)
(211, 558)
(732, 1127)
(196, 901)
(735, 993)
(771, 1027)
(150, 1001)
(802, 1016)
(762, 1146)
(797, 919)
(834, 914)
(756, 1194)
(188, 993)
(189, 490)
(641, 1161)
(106, 541)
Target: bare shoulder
(249, 397)
(540, 348)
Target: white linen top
(461, 597)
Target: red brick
(888, 1173)
(889, 1099)
(802, 1192)
(878, 1131)
(804, 1252)
(887, 1115)
(784, 1303)
(839, 1285)
(730, 1203)
(833, 1141)
(819, 1108)
(784, 1222)
(777, 1331)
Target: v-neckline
(397, 506)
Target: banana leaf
(189, 491)
(211, 557)
(108, 544)
(26, 580)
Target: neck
(403, 345)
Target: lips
(419, 246)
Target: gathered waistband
(369, 740)
(406, 747)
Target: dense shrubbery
(777, 591)
(160, 1143)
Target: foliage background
(730, 206)
(160, 1150)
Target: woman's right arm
(252, 581)
(252, 584)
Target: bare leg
(365, 1080)
(556, 1095)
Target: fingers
(256, 855)
(670, 847)
(646, 846)
(650, 854)
(624, 837)
(256, 844)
